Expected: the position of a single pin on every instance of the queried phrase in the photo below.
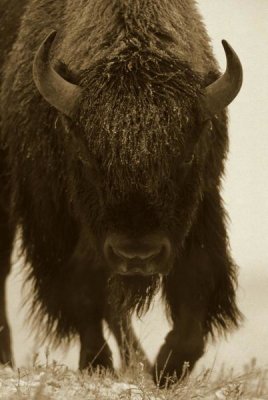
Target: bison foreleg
(6, 244)
(6, 356)
(94, 350)
(183, 346)
(5, 338)
(128, 343)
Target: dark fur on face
(137, 117)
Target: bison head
(140, 132)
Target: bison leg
(200, 291)
(183, 346)
(6, 243)
(94, 350)
(129, 345)
(188, 311)
(5, 338)
(85, 289)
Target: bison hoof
(164, 378)
(92, 361)
(170, 368)
(6, 357)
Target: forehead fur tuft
(137, 113)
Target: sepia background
(244, 24)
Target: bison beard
(130, 294)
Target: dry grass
(56, 382)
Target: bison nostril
(136, 255)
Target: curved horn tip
(229, 51)
(47, 43)
(44, 49)
(225, 44)
(57, 91)
(222, 92)
(233, 57)
(50, 37)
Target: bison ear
(222, 92)
(58, 92)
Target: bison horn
(58, 92)
(223, 91)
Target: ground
(57, 382)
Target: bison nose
(146, 256)
(131, 254)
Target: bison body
(113, 140)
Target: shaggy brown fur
(124, 163)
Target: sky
(243, 23)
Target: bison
(113, 141)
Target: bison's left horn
(58, 92)
(223, 91)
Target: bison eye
(189, 160)
(183, 168)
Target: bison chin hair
(132, 294)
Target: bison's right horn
(58, 92)
(223, 91)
